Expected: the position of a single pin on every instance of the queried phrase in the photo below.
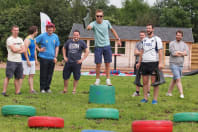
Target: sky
(118, 3)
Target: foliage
(25, 13)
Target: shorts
(71, 68)
(149, 68)
(105, 51)
(176, 70)
(14, 68)
(28, 70)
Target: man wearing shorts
(72, 52)
(48, 53)
(29, 58)
(101, 28)
(15, 47)
(150, 60)
(137, 52)
(178, 49)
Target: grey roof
(132, 32)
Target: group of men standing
(149, 53)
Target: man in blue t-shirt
(72, 52)
(48, 53)
(102, 44)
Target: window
(121, 50)
(91, 46)
(167, 53)
(112, 43)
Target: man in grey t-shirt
(178, 49)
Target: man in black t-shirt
(72, 52)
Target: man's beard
(149, 33)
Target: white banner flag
(44, 20)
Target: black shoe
(4, 94)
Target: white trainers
(97, 82)
(169, 94)
(135, 94)
(181, 96)
(42, 91)
(108, 82)
(49, 91)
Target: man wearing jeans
(49, 42)
(102, 44)
(178, 49)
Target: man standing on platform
(101, 28)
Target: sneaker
(135, 94)
(49, 91)
(108, 82)
(181, 96)
(97, 82)
(4, 94)
(169, 94)
(43, 91)
(154, 102)
(33, 92)
(144, 101)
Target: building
(129, 35)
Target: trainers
(135, 94)
(49, 91)
(97, 82)
(4, 94)
(181, 96)
(154, 102)
(108, 82)
(144, 101)
(169, 94)
(43, 91)
(33, 92)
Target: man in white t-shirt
(150, 60)
(15, 47)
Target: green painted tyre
(102, 94)
(18, 110)
(185, 117)
(102, 113)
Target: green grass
(73, 107)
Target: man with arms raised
(101, 28)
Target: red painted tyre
(44, 121)
(152, 126)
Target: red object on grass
(152, 126)
(45, 121)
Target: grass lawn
(73, 107)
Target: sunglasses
(99, 16)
